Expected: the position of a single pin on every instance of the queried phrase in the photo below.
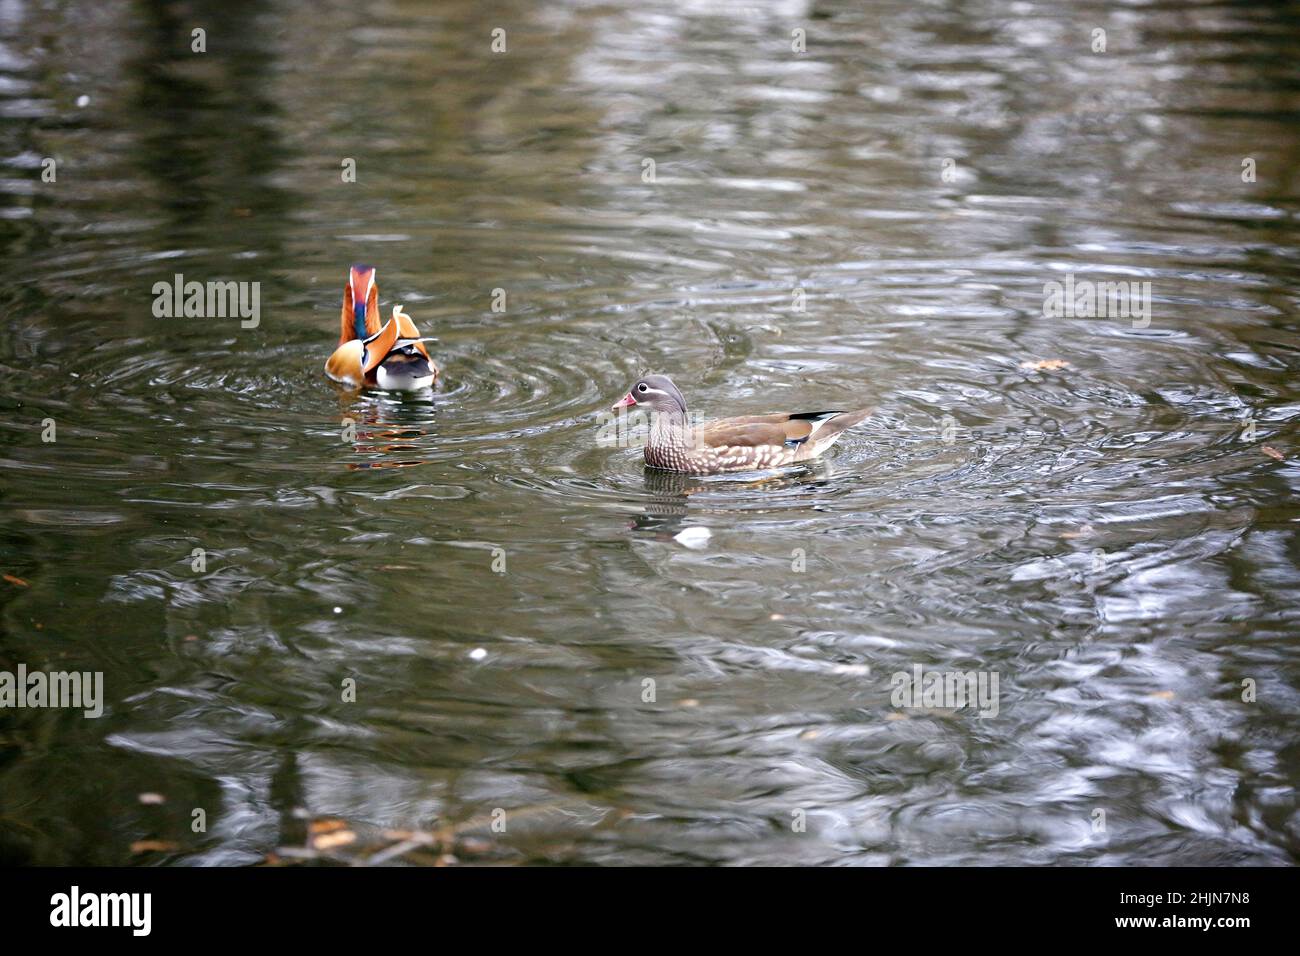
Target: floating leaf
(328, 834)
(17, 582)
(152, 799)
(694, 538)
(326, 826)
(154, 846)
(1045, 365)
(1266, 449)
(329, 841)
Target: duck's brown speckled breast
(707, 461)
(667, 457)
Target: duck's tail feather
(378, 346)
(828, 430)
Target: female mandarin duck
(392, 356)
(747, 443)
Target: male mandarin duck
(391, 356)
(747, 443)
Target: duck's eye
(643, 387)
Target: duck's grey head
(656, 393)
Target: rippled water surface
(1101, 512)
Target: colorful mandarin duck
(391, 356)
(748, 443)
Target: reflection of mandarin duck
(751, 442)
(388, 432)
(390, 356)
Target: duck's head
(360, 318)
(656, 393)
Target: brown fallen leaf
(328, 834)
(152, 799)
(329, 841)
(1081, 533)
(1045, 365)
(1266, 449)
(1162, 694)
(326, 826)
(17, 582)
(895, 715)
(154, 846)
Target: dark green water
(1101, 536)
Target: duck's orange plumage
(391, 355)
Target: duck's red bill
(627, 401)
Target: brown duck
(747, 443)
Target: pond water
(1101, 510)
